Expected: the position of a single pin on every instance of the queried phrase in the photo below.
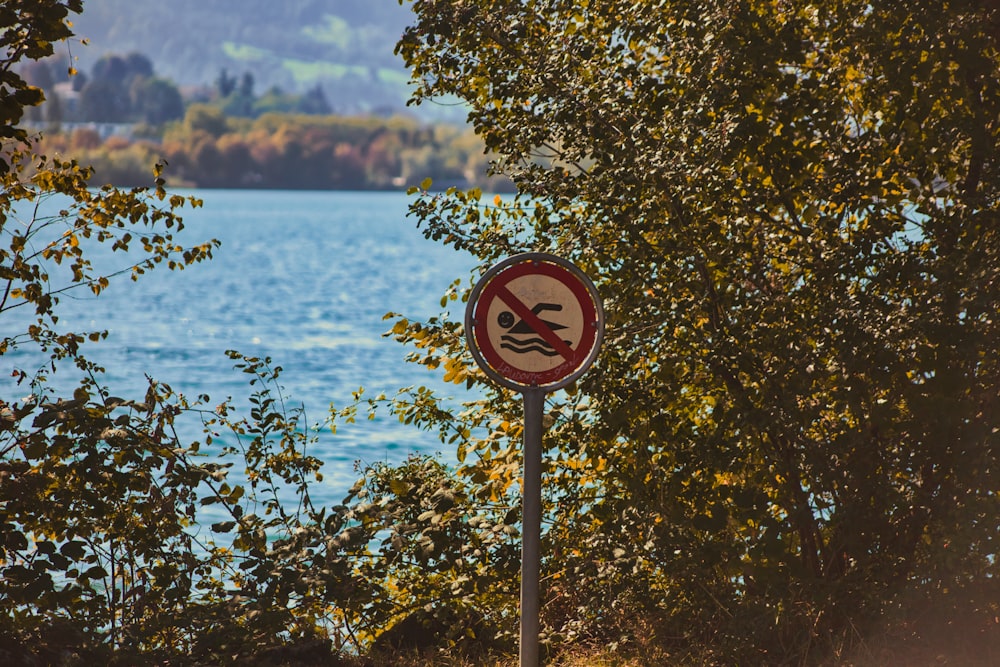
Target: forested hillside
(345, 46)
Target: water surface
(302, 277)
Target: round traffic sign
(534, 321)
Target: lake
(302, 277)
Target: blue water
(302, 277)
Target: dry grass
(584, 659)
(882, 652)
(579, 657)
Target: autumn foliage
(283, 151)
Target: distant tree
(111, 68)
(225, 84)
(246, 85)
(105, 101)
(314, 102)
(138, 65)
(117, 88)
(275, 100)
(205, 118)
(85, 138)
(348, 168)
(39, 74)
(237, 106)
(156, 101)
(122, 69)
(240, 102)
(383, 158)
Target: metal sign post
(534, 324)
(531, 525)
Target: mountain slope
(345, 46)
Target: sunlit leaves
(781, 206)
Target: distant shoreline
(207, 150)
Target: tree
(26, 40)
(138, 65)
(106, 552)
(240, 102)
(105, 101)
(314, 102)
(225, 84)
(792, 212)
(86, 526)
(112, 68)
(156, 100)
(124, 88)
(102, 558)
(246, 85)
(205, 118)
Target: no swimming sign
(534, 320)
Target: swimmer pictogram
(521, 338)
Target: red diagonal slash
(536, 323)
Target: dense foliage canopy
(789, 445)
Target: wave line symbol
(524, 346)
